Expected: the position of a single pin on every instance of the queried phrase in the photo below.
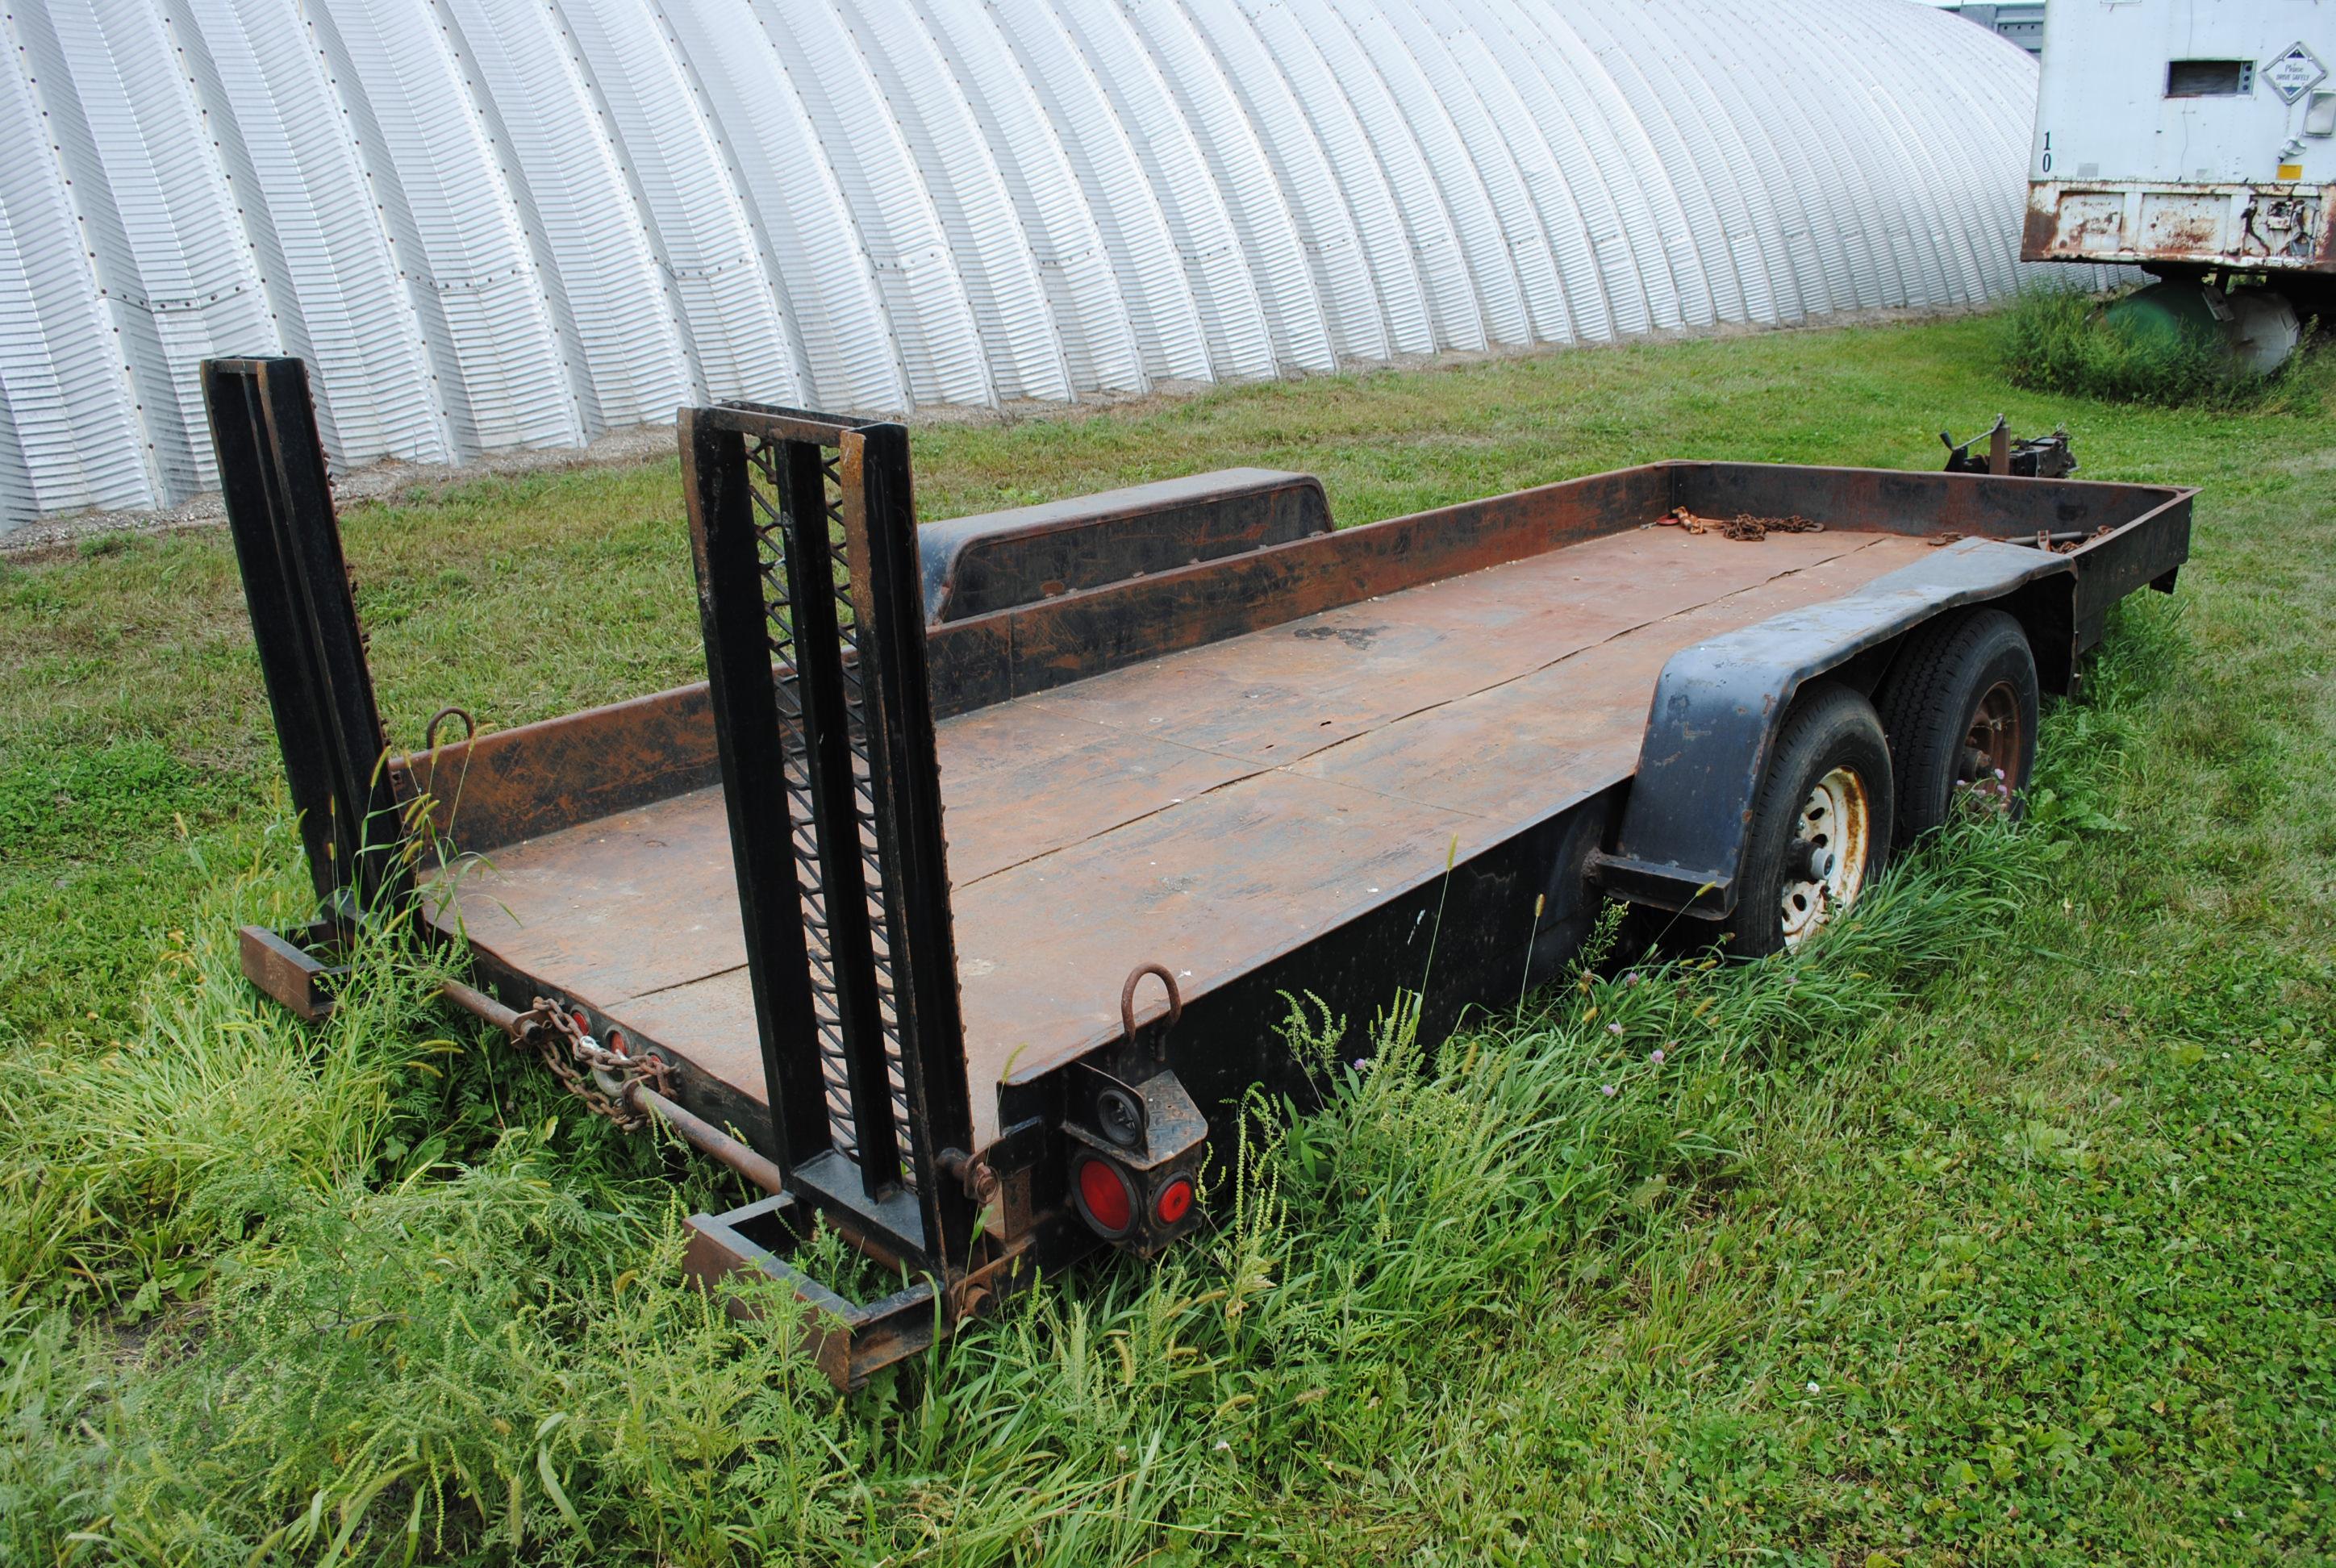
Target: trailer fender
(998, 559)
(1718, 703)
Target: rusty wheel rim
(1824, 860)
(1987, 767)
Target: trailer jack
(2031, 457)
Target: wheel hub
(1825, 864)
(1987, 774)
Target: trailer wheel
(1960, 711)
(1821, 825)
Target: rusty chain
(1743, 528)
(601, 1078)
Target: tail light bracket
(1149, 1130)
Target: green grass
(1995, 1229)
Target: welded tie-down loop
(602, 1078)
(1127, 998)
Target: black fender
(995, 560)
(1718, 704)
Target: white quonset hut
(510, 223)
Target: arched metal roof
(509, 223)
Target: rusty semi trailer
(2196, 141)
(955, 907)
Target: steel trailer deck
(1215, 809)
(866, 914)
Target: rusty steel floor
(1211, 810)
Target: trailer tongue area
(882, 914)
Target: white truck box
(2186, 135)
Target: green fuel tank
(2257, 328)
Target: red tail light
(1175, 1202)
(1104, 1196)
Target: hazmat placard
(2295, 71)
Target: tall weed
(123, 1161)
(54, 1449)
(2056, 339)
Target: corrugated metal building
(2020, 21)
(510, 223)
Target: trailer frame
(833, 659)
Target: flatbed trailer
(958, 907)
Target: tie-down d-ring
(430, 735)
(1127, 998)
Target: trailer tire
(1821, 825)
(1960, 709)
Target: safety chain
(601, 1078)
